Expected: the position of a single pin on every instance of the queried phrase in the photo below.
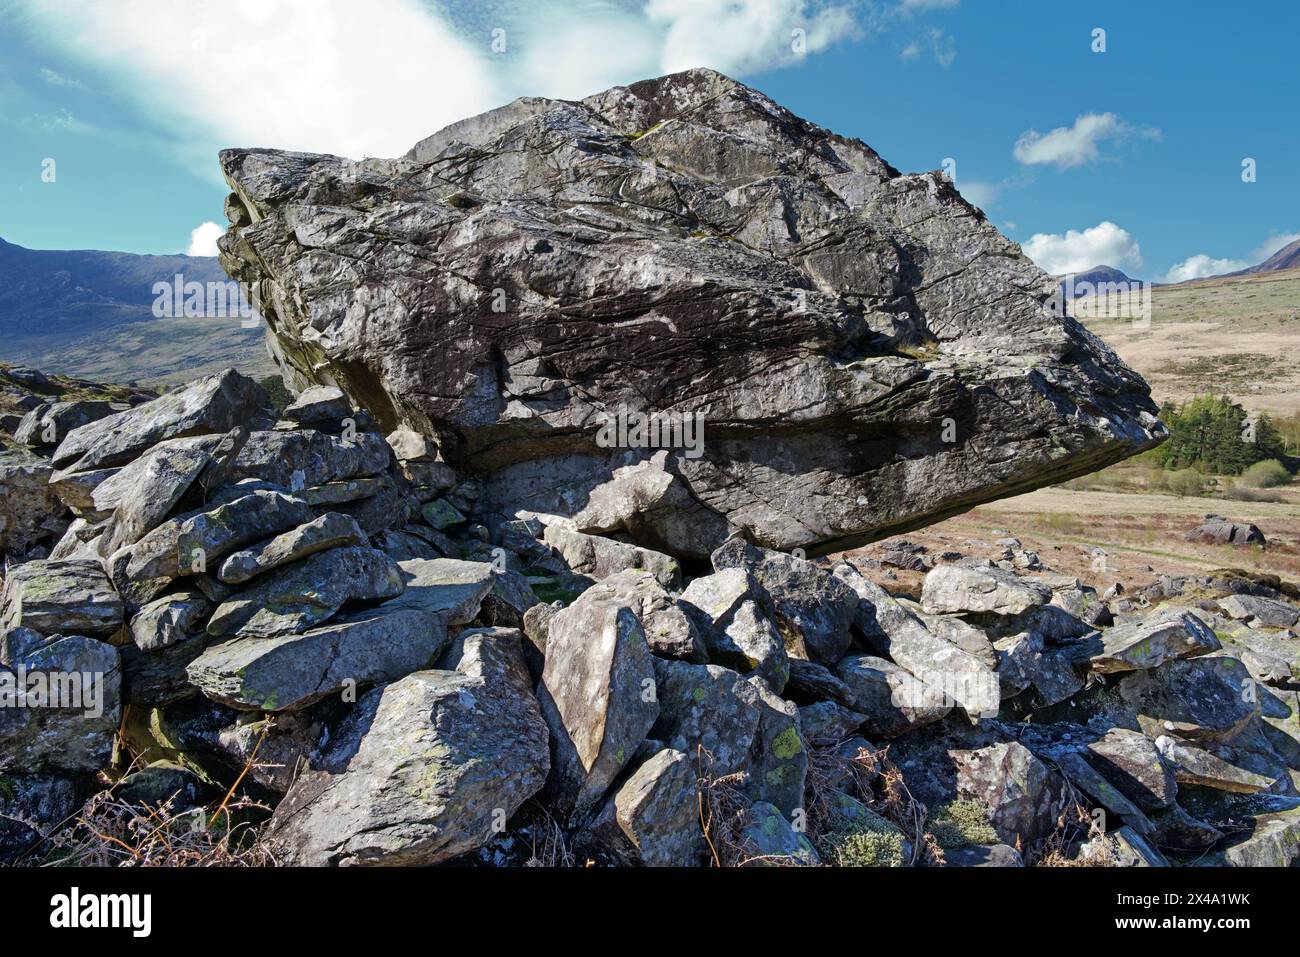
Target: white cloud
(332, 77)
(374, 78)
(55, 78)
(1271, 245)
(744, 36)
(1200, 266)
(203, 239)
(1076, 251)
(1069, 146)
(938, 42)
(908, 6)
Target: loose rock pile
(296, 602)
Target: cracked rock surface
(868, 353)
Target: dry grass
(871, 778)
(108, 832)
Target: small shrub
(1185, 482)
(1267, 474)
(1252, 495)
(961, 824)
(274, 387)
(864, 847)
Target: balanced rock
(683, 258)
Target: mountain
(1288, 257)
(91, 313)
(1085, 283)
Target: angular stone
(441, 514)
(448, 587)
(1260, 612)
(894, 631)
(411, 446)
(144, 492)
(60, 597)
(214, 404)
(163, 782)
(321, 403)
(767, 839)
(170, 619)
(810, 681)
(652, 819)
(1082, 775)
(306, 458)
(814, 609)
(1273, 842)
(49, 423)
(735, 616)
(1131, 762)
(145, 570)
(331, 530)
(339, 493)
(30, 510)
(962, 589)
(1198, 699)
(983, 855)
(288, 672)
(669, 630)
(73, 706)
(826, 723)
(727, 724)
(893, 700)
(602, 557)
(1023, 796)
(1197, 766)
(1219, 531)
(301, 595)
(1152, 641)
(275, 748)
(424, 769)
(597, 696)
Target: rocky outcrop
(863, 351)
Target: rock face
(867, 353)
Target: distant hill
(1086, 282)
(90, 313)
(1288, 257)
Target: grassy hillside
(1233, 335)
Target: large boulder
(531, 286)
(424, 769)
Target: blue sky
(1132, 156)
